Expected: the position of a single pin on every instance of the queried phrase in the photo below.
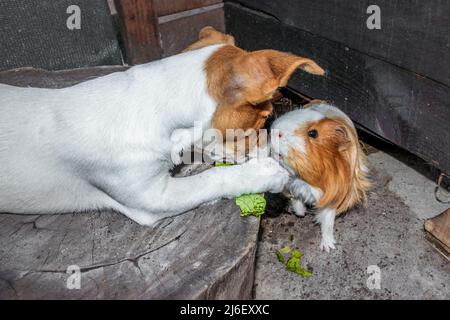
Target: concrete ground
(387, 233)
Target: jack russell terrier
(106, 143)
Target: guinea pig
(319, 146)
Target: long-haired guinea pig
(319, 146)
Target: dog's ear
(210, 36)
(238, 77)
(264, 71)
(284, 64)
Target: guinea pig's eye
(313, 133)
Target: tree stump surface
(206, 253)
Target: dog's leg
(172, 195)
(325, 217)
(182, 140)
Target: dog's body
(319, 147)
(106, 143)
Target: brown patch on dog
(334, 163)
(246, 116)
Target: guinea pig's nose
(276, 135)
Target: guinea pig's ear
(347, 143)
(352, 154)
(343, 133)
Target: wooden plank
(178, 34)
(139, 30)
(403, 107)
(414, 34)
(38, 78)
(164, 7)
(439, 230)
(206, 253)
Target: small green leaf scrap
(251, 204)
(222, 164)
(281, 254)
(293, 263)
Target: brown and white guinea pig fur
(319, 146)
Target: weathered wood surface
(39, 78)
(206, 253)
(179, 33)
(164, 7)
(414, 34)
(139, 30)
(152, 29)
(396, 104)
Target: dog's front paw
(327, 244)
(268, 171)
